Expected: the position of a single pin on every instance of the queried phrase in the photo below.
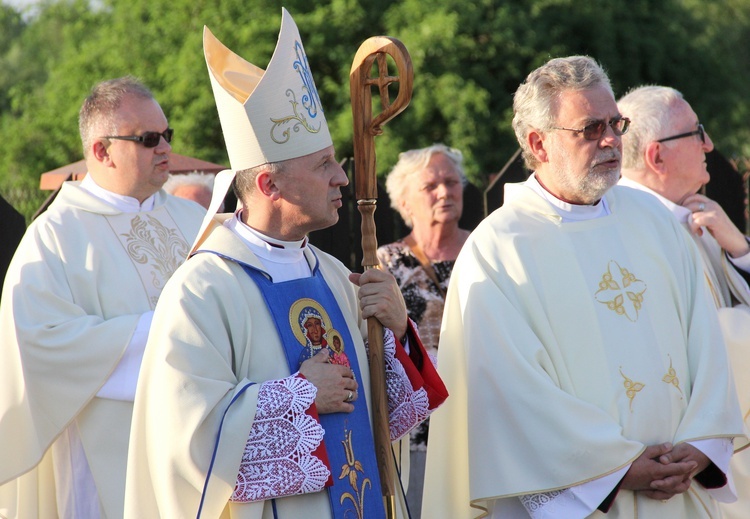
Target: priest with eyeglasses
(76, 311)
(665, 155)
(580, 344)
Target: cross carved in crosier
(382, 81)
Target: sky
(18, 3)
(21, 5)
(27, 6)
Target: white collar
(126, 204)
(283, 260)
(569, 212)
(681, 213)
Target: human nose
(609, 138)
(340, 178)
(163, 146)
(708, 145)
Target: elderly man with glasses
(664, 154)
(76, 312)
(582, 360)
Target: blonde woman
(426, 188)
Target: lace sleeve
(407, 407)
(279, 458)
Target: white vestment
(201, 358)
(78, 285)
(572, 347)
(732, 297)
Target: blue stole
(308, 318)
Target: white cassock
(567, 348)
(732, 298)
(77, 303)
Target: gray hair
(650, 109)
(195, 178)
(244, 180)
(534, 102)
(414, 161)
(97, 116)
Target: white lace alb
(278, 458)
(407, 408)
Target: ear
(403, 205)
(654, 159)
(100, 152)
(265, 184)
(535, 140)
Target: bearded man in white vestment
(579, 342)
(242, 411)
(664, 154)
(76, 311)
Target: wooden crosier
(376, 49)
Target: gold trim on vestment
(473, 502)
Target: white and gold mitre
(267, 115)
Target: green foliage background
(469, 56)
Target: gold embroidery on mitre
(622, 292)
(157, 247)
(310, 101)
(631, 388)
(671, 376)
(351, 469)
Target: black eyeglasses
(700, 131)
(148, 139)
(595, 130)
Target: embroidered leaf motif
(631, 388)
(624, 297)
(671, 377)
(158, 248)
(352, 467)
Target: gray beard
(591, 187)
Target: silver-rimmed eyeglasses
(595, 130)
